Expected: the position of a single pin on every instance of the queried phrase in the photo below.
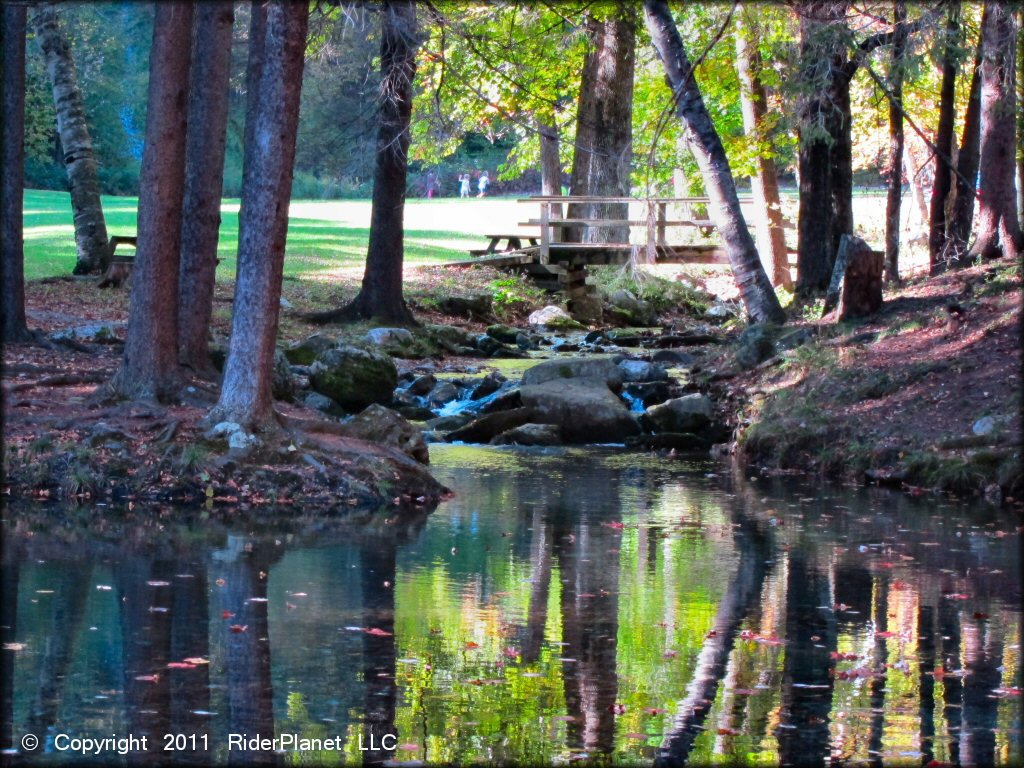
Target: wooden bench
(513, 242)
(119, 267)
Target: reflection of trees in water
(68, 607)
(738, 602)
(145, 604)
(587, 555)
(379, 656)
(244, 634)
(9, 578)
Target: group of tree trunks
(987, 150)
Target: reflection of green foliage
(298, 721)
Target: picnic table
(513, 242)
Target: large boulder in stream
(585, 409)
(593, 369)
(689, 413)
(378, 424)
(354, 378)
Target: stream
(567, 604)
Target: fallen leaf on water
(148, 678)
(377, 632)
(158, 583)
(227, 615)
(196, 660)
(238, 628)
(614, 525)
(180, 665)
(15, 646)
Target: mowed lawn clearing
(326, 238)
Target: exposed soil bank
(916, 396)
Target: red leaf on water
(227, 615)
(238, 628)
(615, 525)
(180, 665)
(377, 632)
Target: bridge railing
(656, 214)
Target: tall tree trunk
(90, 226)
(755, 288)
(961, 216)
(999, 231)
(823, 143)
(245, 395)
(912, 171)
(771, 237)
(550, 164)
(204, 180)
(603, 158)
(944, 140)
(1020, 117)
(150, 366)
(12, 187)
(381, 293)
(894, 196)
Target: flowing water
(566, 604)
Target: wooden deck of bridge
(559, 265)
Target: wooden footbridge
(648, 233)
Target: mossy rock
(354, 378)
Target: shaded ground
(902, 396)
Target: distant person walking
(485, 181)
(431, 184)
(464, 185)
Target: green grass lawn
(323, 235)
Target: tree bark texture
(943, 179)
(204, 180)
(824, 144)
(602, 160)
(961, 212)
(246, 396)
(1020, 117)
(12, 186)
(550, 164)
(150, 366)
(771, 237)
(754, 285)
(894, 194)
(381, 293)
(999, 232)
(253, 70)
(76, 143)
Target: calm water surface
(568, 604)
